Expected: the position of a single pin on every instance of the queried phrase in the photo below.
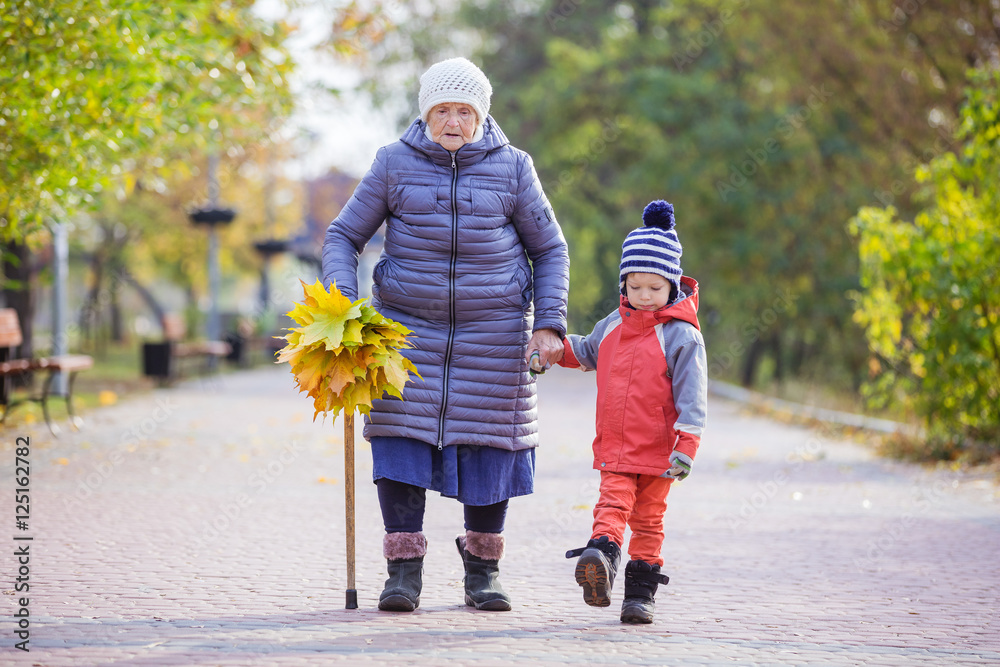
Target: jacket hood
(686, 309)
(493, 138)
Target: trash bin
(156, 360)
(237, 349)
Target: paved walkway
(201, 525)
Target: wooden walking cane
(352, 593)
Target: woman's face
(452, 125)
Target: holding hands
(544, 349)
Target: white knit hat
(455, 80)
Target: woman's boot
(641, 580)
(404, 555)
(481, 554)
(596, 569)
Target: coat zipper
(451, 299)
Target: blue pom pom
(660, 214)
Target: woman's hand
(548, 345)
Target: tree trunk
(779, 357)
(799, 355)
(146, 295)
(19, 293)
(750, 363)
(90, 313)
(117, 324)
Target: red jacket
(652, 383)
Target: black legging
(403, 510)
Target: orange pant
(640, 501)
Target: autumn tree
(96, 91)
(97, 95)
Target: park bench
(11, 366)
(165, 360)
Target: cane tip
(352, 599)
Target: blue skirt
(473, 474)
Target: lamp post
(60, 266)
(267, 249)
(212, 215)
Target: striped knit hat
(653, 248)
(455, 80)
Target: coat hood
(686, 309)
(493, 138)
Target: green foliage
(930, 303)
(95, 91)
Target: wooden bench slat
(15, 366)
(203, 348)
(66, 362)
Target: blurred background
(833, 166)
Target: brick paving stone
(203, 525)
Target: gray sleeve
(349, 233)
(688, 366)
(546, 247)
(585, 348)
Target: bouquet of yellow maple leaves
(344, 354)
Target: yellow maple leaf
(312, 369)
(352, 332)
(365, 355)
(395, 373)
(302, 314)
(392, 333)
(358, 396)
(341, 373)
(291, 354)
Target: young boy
(651, 409)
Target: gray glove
(680, 466)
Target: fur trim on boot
(400, 546)
(482, 585)
(488, 546)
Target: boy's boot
(404, 555)
(481, 554)
(641, 581)
(596, 569)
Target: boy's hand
(680, 466)
(535, 366)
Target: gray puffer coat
(460, 231)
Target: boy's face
(647, 291)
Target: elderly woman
(476, 265)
